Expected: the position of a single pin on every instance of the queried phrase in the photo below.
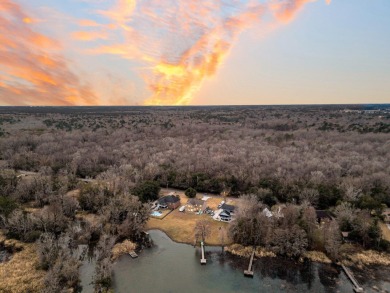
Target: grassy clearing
(180, 227)
(20, 273)
(385, 231)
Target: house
(386, 215)
(225, 216)
(267, 213)
(169, 201)
(228, 207)
(195, 205)
(323, 217)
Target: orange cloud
(88, 23)
(184, 42)
(121, 12)
(286, 10)
(30, 73)
(89, 36)
(180, 44)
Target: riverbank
(246, 251)
(366, 258)
(223, 272)
(20, 273)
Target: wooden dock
(249, 271)
(133, 254)
(356, 286)
(202, 260)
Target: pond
(175, 267)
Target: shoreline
(358, 259)
(182, 242)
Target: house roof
(267, 213)
(195, 202)
(224, 214)
(345, 234)
(227, 207)
(168, 199)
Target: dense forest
(307, 157)
(340, 152)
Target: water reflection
(174, 267)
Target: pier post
(202, 260)
(249, 271)
(356, 286)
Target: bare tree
(309, 195)
(332, 240)
(103, 270)
(290, 242)
(202, 230)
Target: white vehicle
(182, 208)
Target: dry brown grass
(317, 256)
(246, 251)
(180, 227)
(353, 254)
(93, 219)
(385, 231)
(122, 248)
(20, 273)
(367, 257)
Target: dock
(133, 254)
(249, 271)
(202, 260)
(356, 286)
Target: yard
(180, 225)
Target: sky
(194, 52)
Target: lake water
(173, 267)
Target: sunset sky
(194, 52)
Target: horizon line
(187, 106)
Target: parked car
(182, 208)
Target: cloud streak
(31, 73)
(178, 43)
(185, 42)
